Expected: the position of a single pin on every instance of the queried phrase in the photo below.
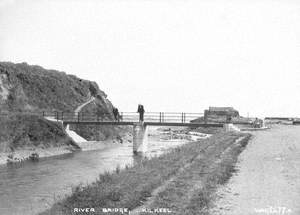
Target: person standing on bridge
(116, 114)
(141, 111)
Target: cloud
(5, 3)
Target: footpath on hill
(79, 108)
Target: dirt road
(268, 177)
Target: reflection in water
(31, 187)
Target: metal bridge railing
(157, 117)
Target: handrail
(160, 117)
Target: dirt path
(78, 139)
(78, 109)
(268, 180)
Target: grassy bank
(182, 180)
(23, 134)
(192, 191)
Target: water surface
(32, 187)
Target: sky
(169, 55)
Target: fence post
(43, 113)
(160, 117)
(78, 116)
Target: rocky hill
(26, 91)
(31, 88)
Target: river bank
(25, 154)
(29, 188)
(25, 137)
(168, 179)
(160, 134)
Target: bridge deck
(145, 123)
(131, 118)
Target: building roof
(217, 109)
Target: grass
(27, 130)
(196, 169)
(39, 88)
(202, 198)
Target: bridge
(132, 119)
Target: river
(268, 176)
(31, 187)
